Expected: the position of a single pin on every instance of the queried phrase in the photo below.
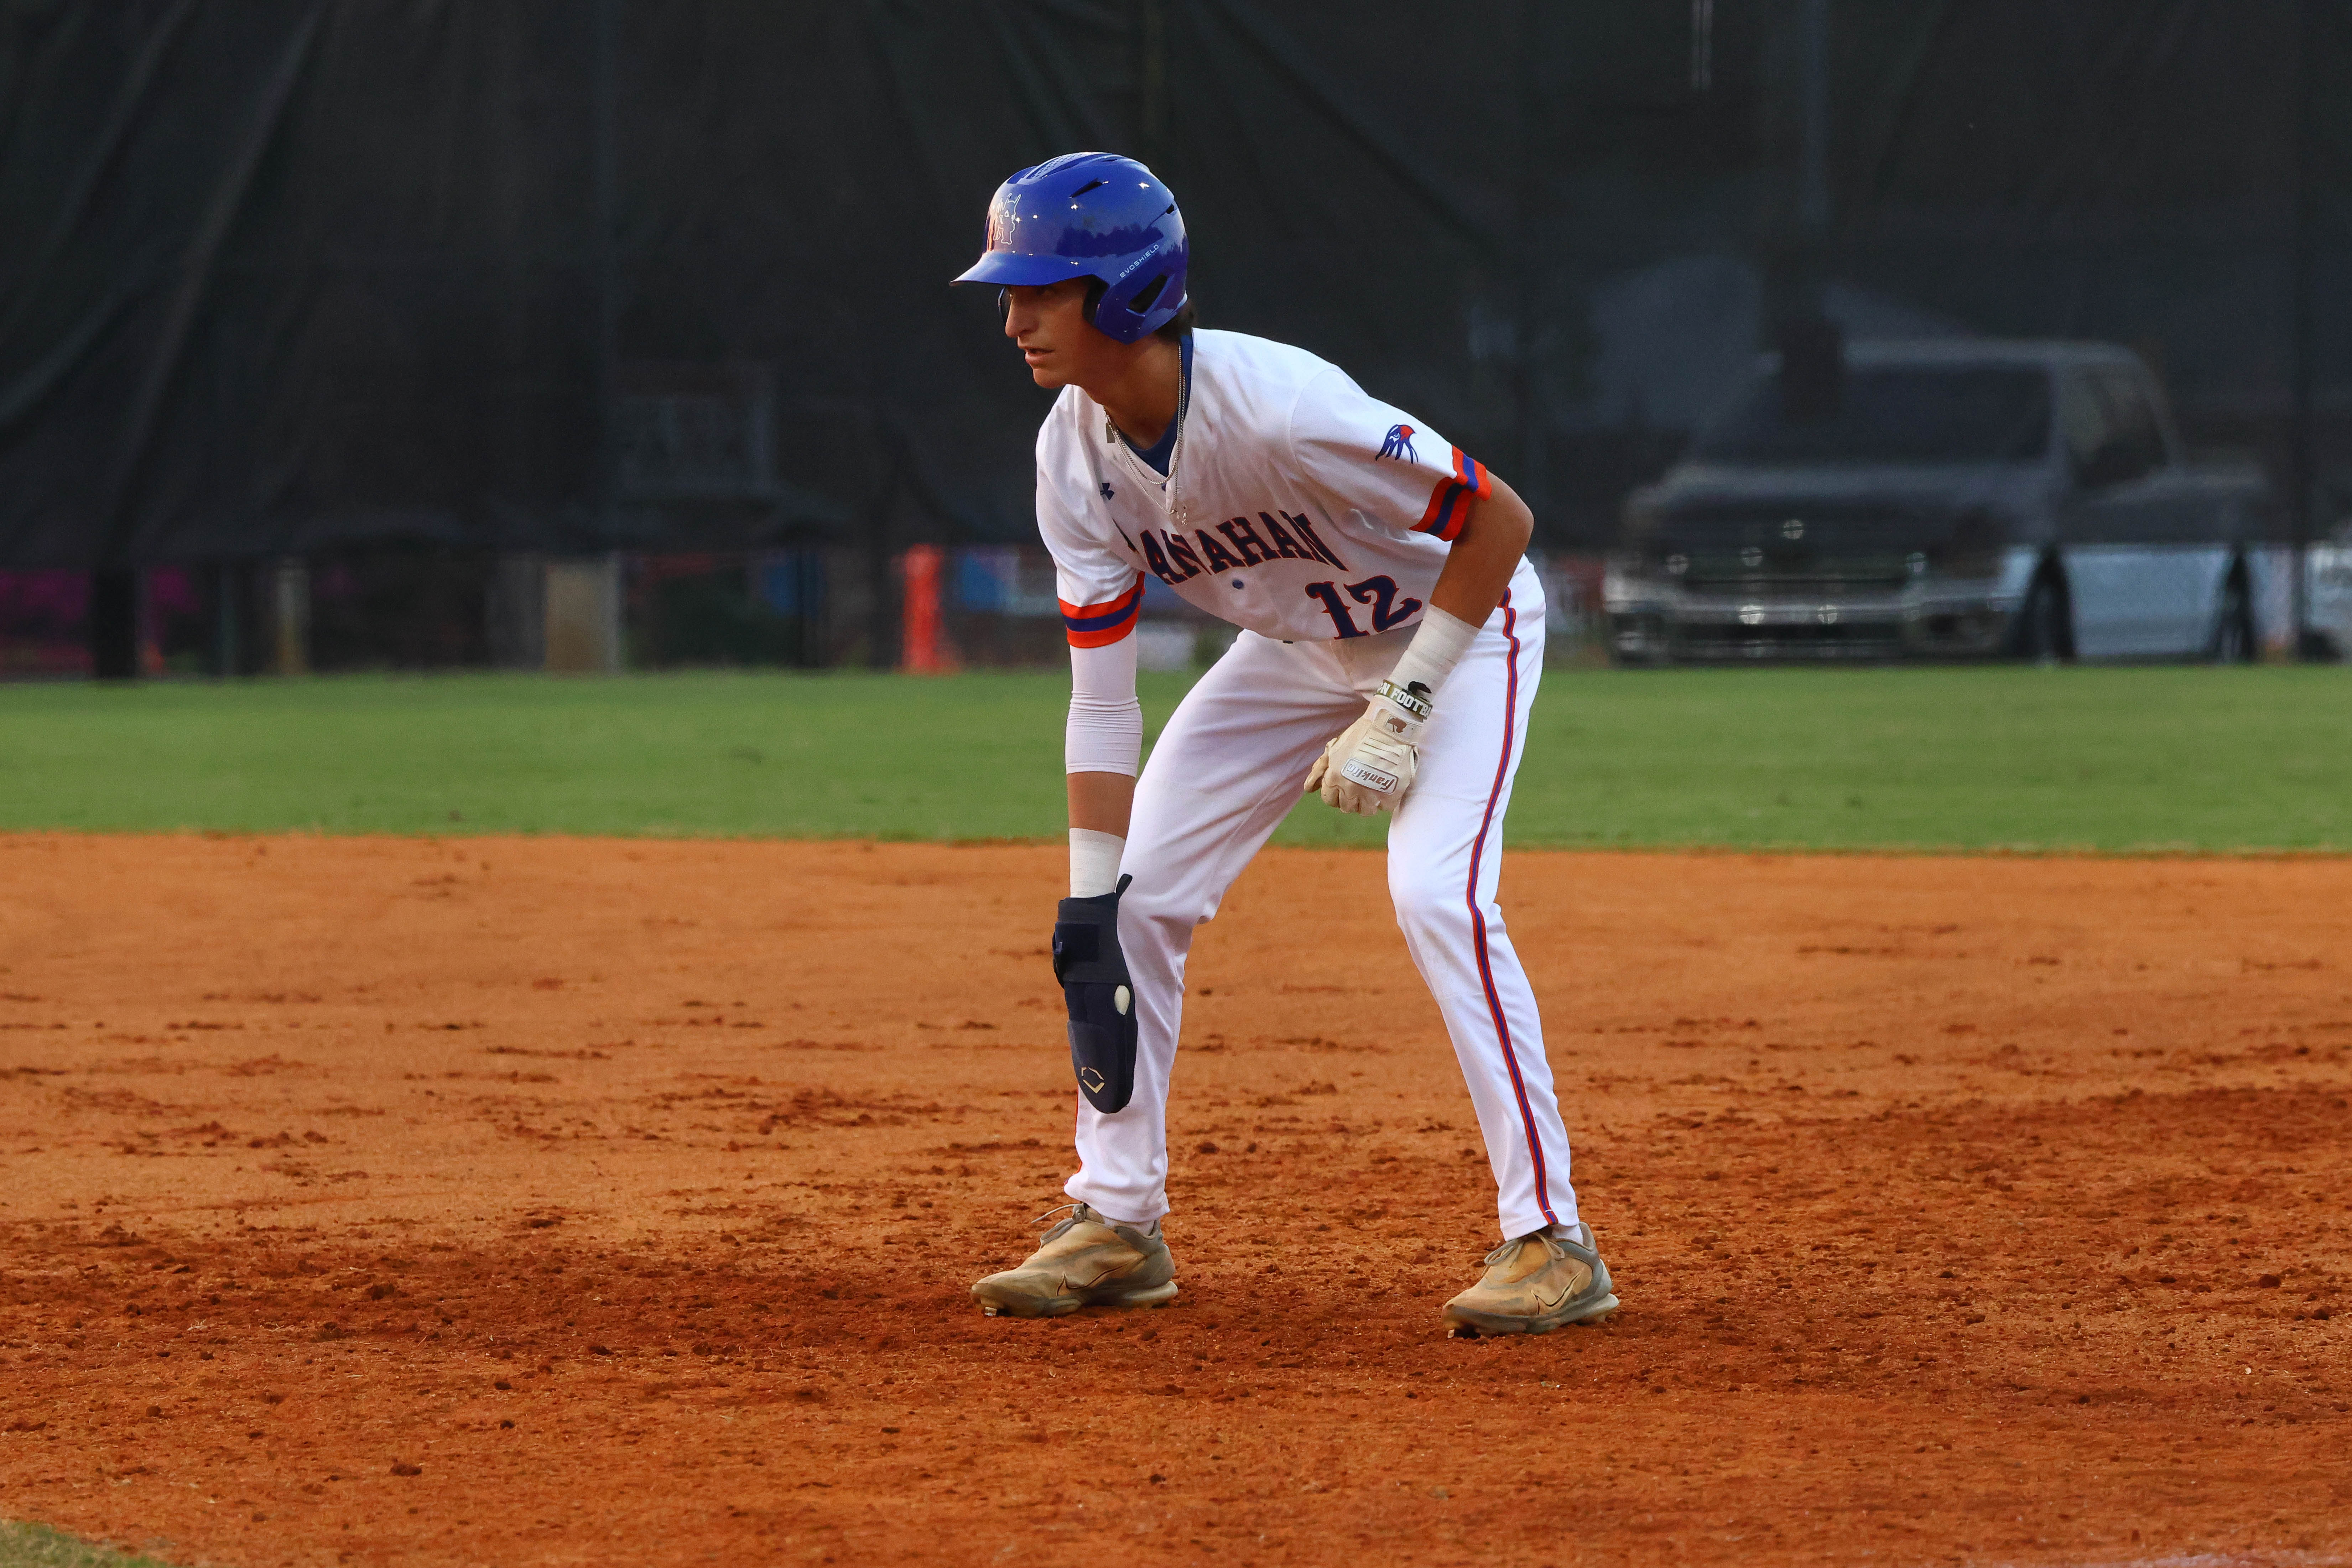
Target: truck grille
(1805, 551)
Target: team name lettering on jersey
(1253, 549)
(1286, 536)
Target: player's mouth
(1036, 356)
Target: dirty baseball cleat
(1083, 1261)
(1534, 1284)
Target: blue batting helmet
(1091, 214)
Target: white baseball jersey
(1297, 505)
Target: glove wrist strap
(1412, 698)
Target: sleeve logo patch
(1398, 445)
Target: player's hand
(1370, 765)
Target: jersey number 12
(1380, 592)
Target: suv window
(2110, 429)
(1888, 414)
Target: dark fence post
(2302, 351)
(114, 623)
(226, 656)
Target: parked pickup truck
(2329, 623)
(1963, 499)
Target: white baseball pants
(1227, 769)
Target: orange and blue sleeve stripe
(1449, 503)
(1099, 625)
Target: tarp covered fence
(280, 277)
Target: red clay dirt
(545, 1201)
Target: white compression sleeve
(1435, 649)
(1104, 734)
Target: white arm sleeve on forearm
(1435, 650)
(1106, 729)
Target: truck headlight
(1630, 577)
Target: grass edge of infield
(1894, 850)
(25, 1544)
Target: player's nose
(1020, 314)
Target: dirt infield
(548, 1201)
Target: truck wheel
(2044, 634)
(2233, 626)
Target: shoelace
(1081, 1212)
(1510, 1248)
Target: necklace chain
(1176, 453)
(1168, 485)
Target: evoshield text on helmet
(1091, 214)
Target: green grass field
(37, 1546)
(2109, 759)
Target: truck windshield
(1894, 414)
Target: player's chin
(1043, 371)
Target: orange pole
(923, 644)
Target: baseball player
(1391, 636)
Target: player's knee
(1427, 904)
(1146, 904)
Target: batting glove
(1370, 765)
